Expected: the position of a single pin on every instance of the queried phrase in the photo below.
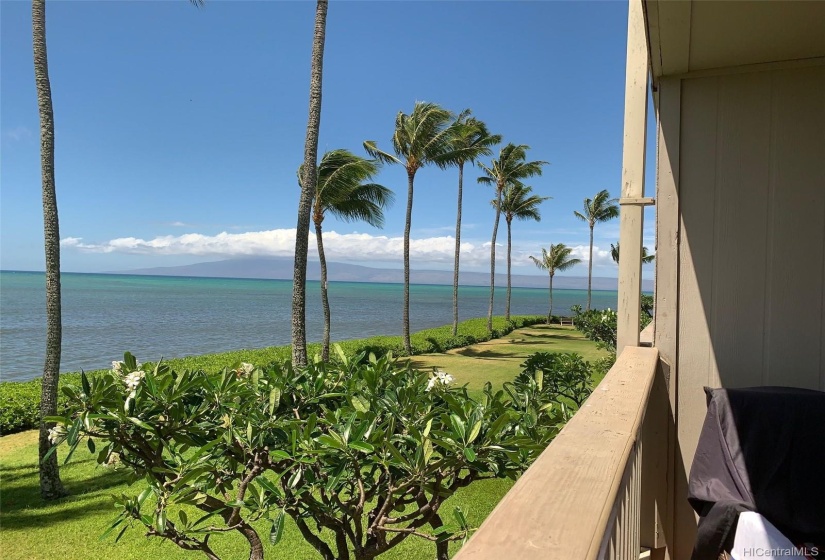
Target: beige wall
(741, 249)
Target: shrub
(598, 325)
(559, 377)
(360, 453)
(20, 401)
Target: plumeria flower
(133, 380)
(117, 367)
(439, 379)
(245, 369)
(56, 433)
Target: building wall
(741, 248)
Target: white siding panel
(752, 236)
(798, 223)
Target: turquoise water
(106, 314)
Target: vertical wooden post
(633, 178)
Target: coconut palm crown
(421, 138)
(511, 168)
(470, 140)
(647, 256)
(344, 191)
(517, 202)
(557, 259)
(601, 208)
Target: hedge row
(20, 401)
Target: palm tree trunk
(324, 294)
(590, 269)
(509, 250)
(457, 248)
(406, 318)
(550, 313)
(50, 485)
(493, 263)
(299, 338)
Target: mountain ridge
(280, 268)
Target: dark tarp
(761, 449)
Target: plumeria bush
(361, 453)
(561, 377)
(597, 324)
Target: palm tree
(517, 202)
(420, 138)
(343, 192)
(50, 485)
(511, 168)
(557, 259)
(601, 209)
(308, 183)
(471, 140)
(647, 257)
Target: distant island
(280, 268)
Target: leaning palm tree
(344, 191)
(308, 183)
(600, 209)
(50, 485)
(423, 137)
(511, 168)
(556, 260)
(471, 140)
(517, 202)
(647, 256)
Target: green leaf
(184, 520)
(91, 445)
(474, 432)
(130, 361)
(143, 495)
(279, 455)
(160, 522)
(274, 399)
(458, 426)
(85, 382)
(359, 403)
(140, 423)
(295, 478)
(340, 352)
(460, 518)
(470, 454)
(277, 528)
(362, 446)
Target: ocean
(152, 316)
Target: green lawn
(69, 529)
(498, 360)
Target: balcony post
(632, 199)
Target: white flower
(56, 433)
(117, 367)
(133, 380)
(244, 369)
(439, 378)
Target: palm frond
(375, 152)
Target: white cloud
(601, 257)
(353, 247)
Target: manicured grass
(498, 360)
(69, 529)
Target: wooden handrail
(580, 497)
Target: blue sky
(179, 130)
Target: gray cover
(761, 449)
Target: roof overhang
(687, 36)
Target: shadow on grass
(555, 335)
(23, 508)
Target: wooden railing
(582, 498)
